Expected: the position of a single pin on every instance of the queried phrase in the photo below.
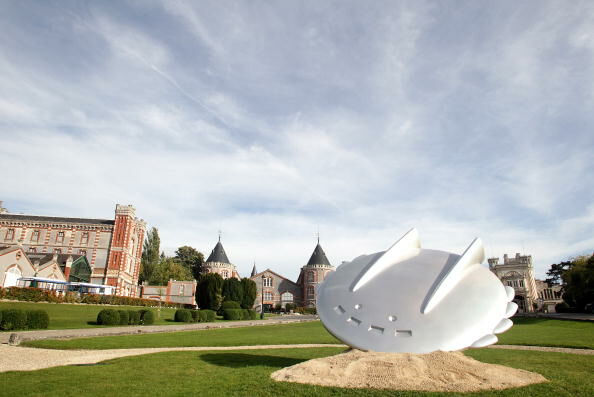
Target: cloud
(272, 120)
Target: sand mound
(438, 371)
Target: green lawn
(310, 332)
(247, 373)
(63, 316)
(547, 332)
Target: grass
(68, 316)
(548, 332)
(310, 332)
(247, 373)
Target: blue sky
(272, 119)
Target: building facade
(174, 292)
(113, 247)
(312, 274)
(218, 262)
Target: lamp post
(262, 311)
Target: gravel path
(16, 358)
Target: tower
(218, 262)
(314, 273)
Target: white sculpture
(413, 300)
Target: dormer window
(35, 236)
(84, 239)
(9, 235)
(60, 237)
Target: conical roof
(254, 271)
(318, 257)
(218, 254)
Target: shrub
(134, 317)
(183, 316)
(147, 317)
(202, 316)
(245, 314)
(253, 315)
(562, 307)
(37, 319)
(232, 314)
(290, 306)
(195, 316)
(210, 315)
(124, 317)
(0, 316)
(228, 305)
(108, 317)
(13, 319)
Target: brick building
(218, 262)
(113, 247)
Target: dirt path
(17, 358)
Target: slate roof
(56, 219)
(218, 254)
(318, 257)
(254, 271)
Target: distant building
(174, 292)
(312, 274)
(113, 246)
(14, 264)
(217, 262)
(530, 294)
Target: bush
(202, 316)
(108, 317)
(147, 317)
(232, 314)
(210, 315)
(124, 317)
(183, 316)
(13, 319)
(37, 319)
(134, 317)
(253, 315)
(0, 316)
(195, 316)
(245, 314)
(290, 306)
(562, 307)
(228, 305)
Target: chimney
(68, 267)
(504, 258)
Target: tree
(150, 254)
(232, 290)
(578, 283)
(209, 291)
(250, 290)
(556, 272)
(191, 258)
(169, 269)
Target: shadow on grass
(92, 323)
(242, 360)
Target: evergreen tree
(232, 290)
(250, 290)
(209, 291)
(150, 254)
(191, 258)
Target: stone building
(174, 292)
(217, 262)
(531, 294)
(279, 290)
(312, 274)
(113, 246)
(14, 264)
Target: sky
(273, 120)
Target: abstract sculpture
(413, 300)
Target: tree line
(157, 269)
(576, 278)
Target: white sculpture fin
(401, 250)
(485, 341)
(452, 274)
(511, 293)
(511, 309)
(503, 326)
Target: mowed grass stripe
(300, 333)
(247, 373)
(549, 332)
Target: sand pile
(438, 371)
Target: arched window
(287, 297)
(310, 292)
(11, 277)
(311, 277)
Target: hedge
(124, 317)
(30, 294)
(183, 316)
(232, 314)
(195, 316)
(13, 319)
(147, 317)
(37, 319)
(108, 317)
(133, 317)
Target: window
(225, 274)
(60, 237)
(267, 296)
(310, 292)
(84, 239)
(267, 281)
(32, 250)
(310, 277)
(11, 277)
(522, 283)
(9, 234)
(57, 250)
(82, 252)
(35, 235)
(181, 290)
(287, 297)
